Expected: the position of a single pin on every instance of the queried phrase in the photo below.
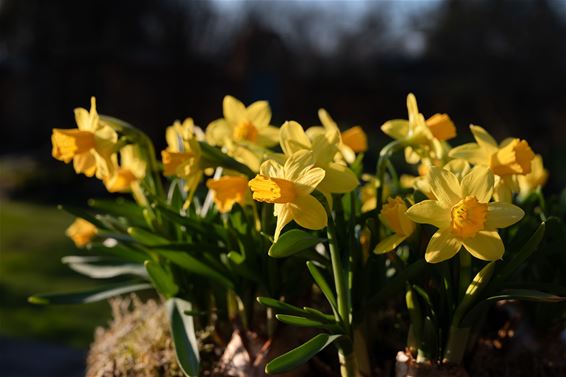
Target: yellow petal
(486, 245)
(397, 128)
(259, 114)
(325, 147)
(458, 167)
(85, 163)
(293, 138)
(502, 215)
(284, 217)
(442, 246)
(356, 139)
(297, 164)
(216, 133)
(339, 179)
(430, 212)
(484, 139)
(445, 187)
(271, 168)
(389, 243)
(267, 136)
(471, 152)
(478, 183)
(81, 232)
(309, 180)
(411, 156)
(412, 107)
(309, 213)
(326, 119)
(234, 110)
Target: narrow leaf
(88, 266)
(162, 279)
(184, 337)
(300, 355)
(526, 295)
(292, 242)
(84, 297)
(281, 306)
(323, 284)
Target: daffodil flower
(352, 141)
(228, 190)
(182, 158)
(424, 138)
(91, 146)
(289, 187)
(457, 166)
(534, 180)
(81, 232)
(131, 170)
(464, 216)
(394, 217)
(511, 158)
(339, 178)
(244, 132)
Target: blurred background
(500, 64)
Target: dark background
(500, 64)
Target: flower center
(514, 158)
(69, 143)
(245, 131)
(441, 127)
(272, 190)
(468, 217)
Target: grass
(32, 243)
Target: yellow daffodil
(129, 173)
(228, 190)
(424, 138)
(534, 180)
(81, 232)
(243, 124)
(244, 132)
(91, 146)
(394, 217)
(464, 215)
(289, 187)
(511, 158)
(352, 141)
(182, 158)
(368, 192)
(458, 167)
(339, 178)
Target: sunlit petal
(486, 245)
(484, 139)
(389, 243)
(397, 128)
(259, 114)
(502, 215)
(479, 183)
(284, 217)
(309, 213)
(338, 179)
(430, 212)
(445, 187)
(472, 153)
(442, 246)
(293, 138)
(234, 110)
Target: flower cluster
(244, 195)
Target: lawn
(32, 242)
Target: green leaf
(162, 279)
(508, 268)
(196, 266)
(120, 251)
(300, 355)
(307, 322)
(292, 242)
(184, 337)
(281, 306)
(238, 263)
(146, 237)
(103, 268)
(93, 295)
(215, 157)
(526, 295)
(323, 285)
(84, 214)
(120, 207)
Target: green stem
(384, 156)
(456, 345)
(465, 273)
